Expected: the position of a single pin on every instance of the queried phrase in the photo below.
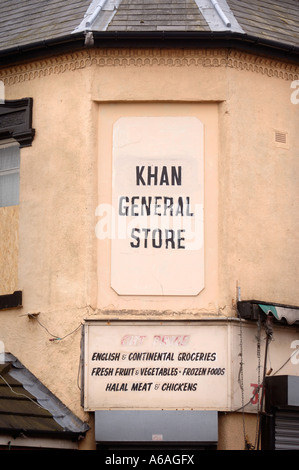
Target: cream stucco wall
(259, 183)
(56, 263)
(237, 431)
(251, 191)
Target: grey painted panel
(287, 430)
(293, 390)
(156, 425)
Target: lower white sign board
(155, 366)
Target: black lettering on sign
(116, 387)
(102, 371)
(124, 371)
(158, 238)
(194, 371)
(105, 356)
(147, 356)
(122, 208)
(154, 176)
(197, 356)
(216, 371)
(141, 387)
(179, 387)
(134, 235)
(154, 205)
(159, 371)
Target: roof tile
(276, 20)
(177, 15)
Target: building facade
(149, 224)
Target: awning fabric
(252, 309)
(291, 315)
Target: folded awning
(251, 309)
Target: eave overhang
(149, 39)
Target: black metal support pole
(269, 333)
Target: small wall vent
(281, 138)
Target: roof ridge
(95, 9)
(219, 15)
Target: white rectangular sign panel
(157, 200)
(156, 366)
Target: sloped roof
(37, 24)
(270, 19)
(37, 20)
(28, 408)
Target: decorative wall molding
(149, 58)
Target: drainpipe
(221, 13)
